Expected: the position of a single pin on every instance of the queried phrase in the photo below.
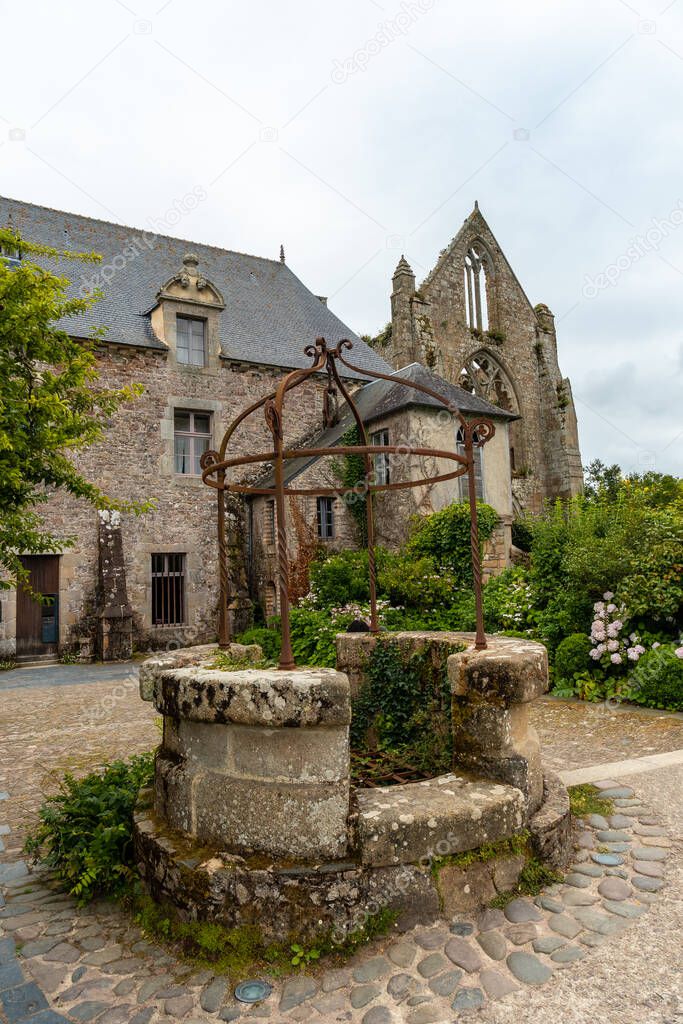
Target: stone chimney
(402, 349)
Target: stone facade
(471, 321)
(106, 578)
(135, 463)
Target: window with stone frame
(269, 522)
(325, 517)
(168, 589)
(477, 272)
(463, 481)
(191, 438)
(190, 340)
(381, 462)
(270, 600)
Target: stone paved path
(603, 946)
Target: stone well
(252, 818)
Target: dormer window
(10, 256)
(191, 341)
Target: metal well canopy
(325, 360)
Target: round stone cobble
(614, 889)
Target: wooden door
(38, 624)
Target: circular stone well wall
(252, 820)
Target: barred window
(191, 438)
(325, 508)
(168, 589)
(190, 341)
(382, 471)
(269, 522)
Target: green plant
(657, 680)
(508, 602)
(268, 639)
(510, 846)
(572, 656)
(533, 878)
(302, 957)
(586, 799)
(85, 830)
(67, 657)
(404, 706)
(227, 663)
(496, 336)
(7, 664)
(240, 951)
(445, 536)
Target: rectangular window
(269, 522)
(478, 474)
(325, 508)
(191, 438)
(168, 589)
(190, 341)
(382, 474)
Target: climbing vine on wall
(404, 706)
(350, 471)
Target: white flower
(612, 645)
(616, 659)
(611, 608)
(608, 595)
(595, 654)
(656, 644)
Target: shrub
(86, 829)
(340, 578)
(267, 639)
(572, 656)
(657, 680)
(507, 601)
(406, 703)
(445, 535)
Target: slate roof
(269, 315)
(380, 398)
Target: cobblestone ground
(603, 946)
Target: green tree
(51, 403)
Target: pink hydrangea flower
(632, 654)
(656, 644)
(611, 608)
(595, 653)
(679, 652)
(639, 649)
(608, 595)
(612, 645)
(598, 606)
(616, 658)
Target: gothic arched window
(477, 272)
(483, 376)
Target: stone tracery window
(481, 375)
(477, 272)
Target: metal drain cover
(253, 991)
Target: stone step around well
(435, 818)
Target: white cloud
(129, 105)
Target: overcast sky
(356, 131)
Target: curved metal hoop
(214, 465)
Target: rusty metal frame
(476, 432)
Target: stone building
(206, 332)
(471, 321)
